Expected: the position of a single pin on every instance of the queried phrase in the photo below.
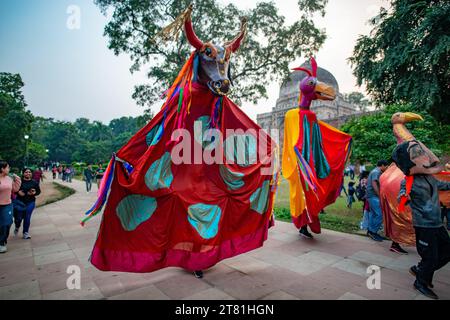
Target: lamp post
(26, 149)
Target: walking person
(373, 196)
(8, 185)
(351, 194)
(38, 175)
(88, 174)
(60, 172)
(26, 195)
(69, 174)
(361, 194)
(99, 174)
(54, 172)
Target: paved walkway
(332, 266)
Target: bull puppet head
(214, 60)
(312, 89)
(413, 157)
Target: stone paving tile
(246, 288)
(386, 292)
(181, 286)
(53, 257)
(374, 259)
(58, 247)
(210, 294)
(247, 264)
(279, 295)
(311, 289)
(88, 291)
(150, 292)
(19, 291)
(353, 266)
(351, 296)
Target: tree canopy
(406, 57)
(374, 140)
(15, 119)
(264, 56)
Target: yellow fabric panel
(289, 163)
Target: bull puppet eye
(208, 51)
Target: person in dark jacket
(26, 197)
(88, 174)
(432, 239)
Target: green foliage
(406, 57)
(134, 25)
(15, 119)
(358, 99)
(373, 138)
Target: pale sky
(71, 73)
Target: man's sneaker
(16, 231)
(3, 249)
(413, 271)
(375, 236)
(395, 247)
(26, 235)
(198, 274)
(305, 233)
(423, 289)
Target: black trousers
(433, 246)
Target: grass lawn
(337, 216)
(54, 192)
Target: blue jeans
(5, 223)
(88, 185)
(375, 215)
(25, 216)
(364, 225)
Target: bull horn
(190, 33)
(236, 42)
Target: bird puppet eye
(310, 82)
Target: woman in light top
(8, 186)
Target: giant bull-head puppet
(213, 60)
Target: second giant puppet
(188, 198)
(398, 225)
(314, 154)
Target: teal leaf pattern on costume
(241, 149)
(159, 175)
(232, 179)
(205, 219)
(260, 198)
(154, 135)
(134, 210)
(320, 161)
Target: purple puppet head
(312, 89)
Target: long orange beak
(324, 91)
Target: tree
(16, 120)
(357, 99)
(406, 57)
(264, 57)
(373, 138)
